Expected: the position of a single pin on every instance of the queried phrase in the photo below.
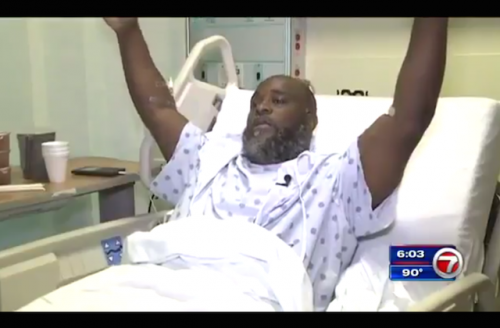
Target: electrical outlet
(203, 73)
(240, 72)
(258, 75)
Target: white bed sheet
(194, 264)
(149, 288)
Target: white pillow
(446, 192)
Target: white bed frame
(32, 270)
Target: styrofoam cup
(56, 152)
(55, 144)
(48, 148)
(54, 147)
(56, 165)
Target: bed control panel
(113, 250)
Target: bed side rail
(33, 270)
(459, 296)
(489, 299)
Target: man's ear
(313, 121)
(314, 124)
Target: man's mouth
(262, 128)
(259, 121)
(261, 125)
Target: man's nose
(264, 109)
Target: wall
(366, 53)
(65, 74)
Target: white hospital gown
(321, 214)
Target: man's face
(280, 124)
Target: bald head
(281, 120)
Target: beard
(281, 146)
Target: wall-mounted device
(262, 47)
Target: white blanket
(194, 264)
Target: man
(318, 204)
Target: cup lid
(55, 144)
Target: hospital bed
(444, 198)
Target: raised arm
(147, 88)
(387, 145)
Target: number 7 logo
(452, 260)
(448, 263)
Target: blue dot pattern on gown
(330, 188)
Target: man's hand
(120, 24)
